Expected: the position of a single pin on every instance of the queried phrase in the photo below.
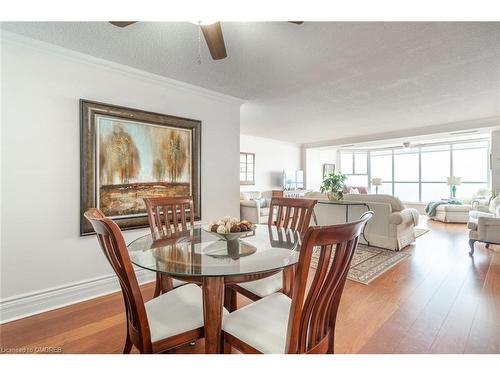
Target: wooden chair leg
(163, 284)
(157, 286)
(230, 299)
(225, 346)
(128, 345)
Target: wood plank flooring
(438, 300)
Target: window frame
(354, 152)
(246, 164)
(418, 149)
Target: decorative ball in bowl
(229, 228)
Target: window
(346, 162)
(435, 163)
(419, 174)
(355, 166)
(381, 167)
(406, 166)
(247, 168)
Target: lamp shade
(376, 181)
(454, 181)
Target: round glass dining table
(195, 255)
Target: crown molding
(481, 123)
(78, 57)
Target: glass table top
(195, 252)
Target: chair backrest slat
(311, 326)
(183, 216)
(115, 250)
(291, 213)
(170, 208)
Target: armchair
(254, 206)
(484, 224)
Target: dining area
(201, 269)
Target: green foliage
(334, 183)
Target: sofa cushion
(250, 195)
(261, 202)
(395, 203)
(246, 203)
(494, 203)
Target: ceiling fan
(212, 33)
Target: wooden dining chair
(163, 323)
(305, 323)
(287, 213)
(168, 215)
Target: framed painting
(128, 154)
(328, 168)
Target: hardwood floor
(438, 300)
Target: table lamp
(376, 182)
(453, 182)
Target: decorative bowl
(232, 236)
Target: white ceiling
(316, 81)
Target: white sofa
(254, 206)
(392, 226)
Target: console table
(346, 205)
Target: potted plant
(333, 185)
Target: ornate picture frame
(127, 154)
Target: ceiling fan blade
(122, 23)
(297, 22)
(215, 40)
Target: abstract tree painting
(139, 160)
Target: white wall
(271, 158)
(495, 160)
(314, 166)
(44, 262)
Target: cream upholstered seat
(262, 324)
(266, 286)
(177, 283)
(177, 311)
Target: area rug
(368, 262)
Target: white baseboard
(22, 306)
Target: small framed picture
(328, 168)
